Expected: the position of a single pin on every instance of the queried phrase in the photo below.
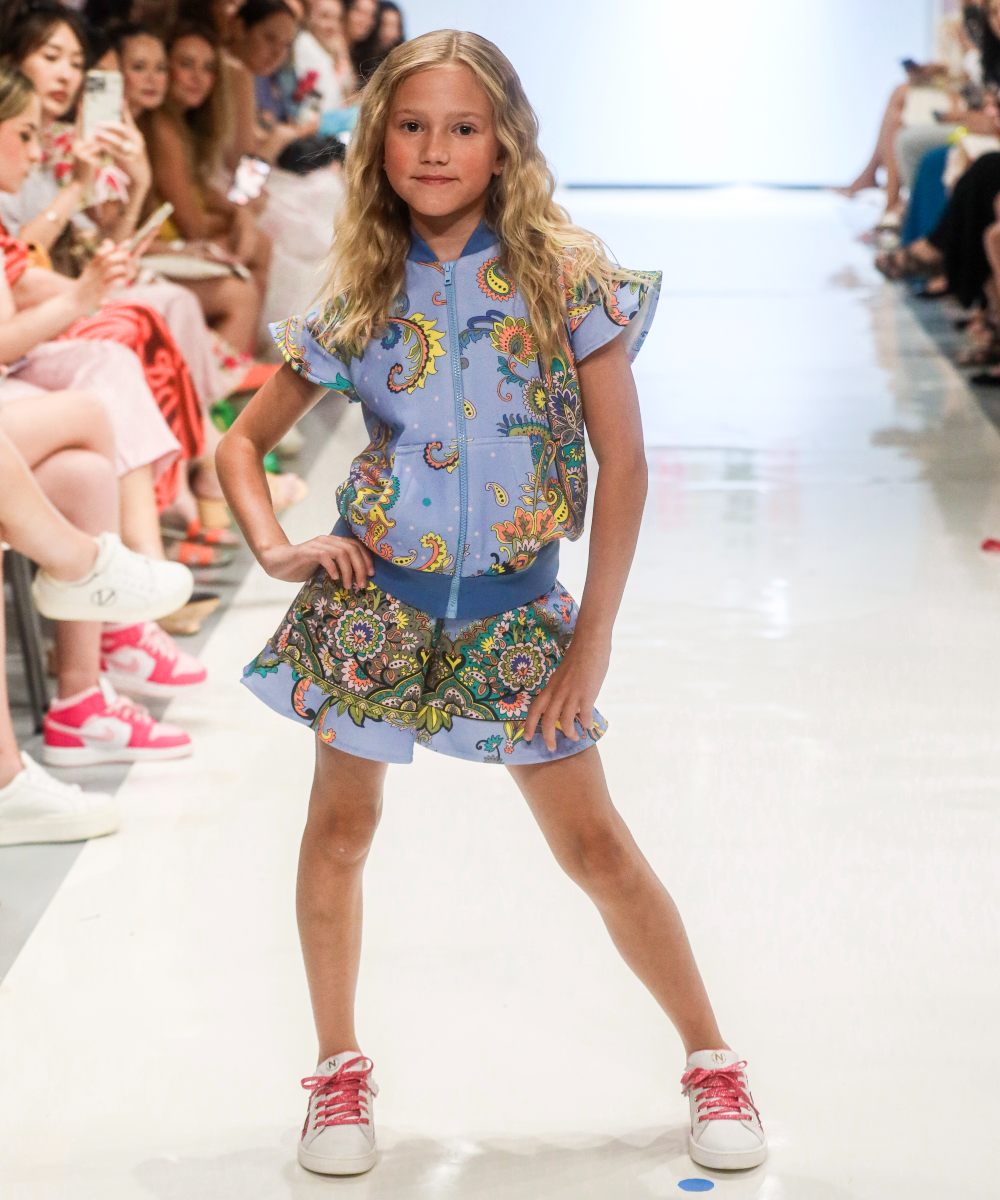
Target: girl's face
(56, 69)
(360, 20)
(326, 20)
(20, 151)
(390, 29)
(144, 72)
(192, 71)
(264, 47)
(441, 150)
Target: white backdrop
(700, 91)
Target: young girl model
(477, 327)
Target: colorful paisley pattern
(494, 282)
(422, 340)
(379, 662)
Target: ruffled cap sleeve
(594, 321)
(313, 353)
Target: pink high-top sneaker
(142, 660)
(99, 726)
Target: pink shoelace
(723, 1095)
(339, 1095)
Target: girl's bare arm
(611, 408)
(611, 411)
(239, 459)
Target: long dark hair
(254, 11)
(24, 28)
(366, 56)
(990, 47)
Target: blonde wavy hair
(541, 249)
(16, 91)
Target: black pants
(959, 233)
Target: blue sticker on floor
(696, 1185)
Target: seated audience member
(360, 17)
(952, 86)
(321, 50)
(49, 341)
(299, 207)
(386, 35)
(185, 139)
(54, 469)
(46, 46)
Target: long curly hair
(540, 246)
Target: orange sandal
(197, 531)
(195, 554)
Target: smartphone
(249, 179)
(102, 99)
(910, 64)
(153, 221)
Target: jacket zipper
(463, 478)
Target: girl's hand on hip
(343, 558)
(570, 693)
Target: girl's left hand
(570, 693)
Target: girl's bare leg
(569, 799)
(139, 519)
(883, 151)
(82, 484)
(32, 525)
(344, 811)
(232, 308)
(72, 452)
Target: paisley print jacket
(476, 464)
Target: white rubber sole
(130, 686)
(59, 607)
(86, 756)
(321, 1164)
(721, 1160)
(79, 828)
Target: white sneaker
(121, 587)
(726, 1132)
(34, 807)
(338, 1137)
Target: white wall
(700, 91)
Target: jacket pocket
(509, 516)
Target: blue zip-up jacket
(477, 462)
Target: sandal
(195, 554)
(982, 345)
(188, 619)
(904, 264)
(197, 531)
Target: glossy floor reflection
(803, 704)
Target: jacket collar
(482, 238)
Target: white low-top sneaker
(338, 1137)
(121, 587)
(726, 1132)
(34, 807)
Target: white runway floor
(804, 741)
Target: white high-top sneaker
(726, 1132)
(338, 1137)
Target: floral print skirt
(374, 676)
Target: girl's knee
(599, 857)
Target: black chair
(17, 569)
